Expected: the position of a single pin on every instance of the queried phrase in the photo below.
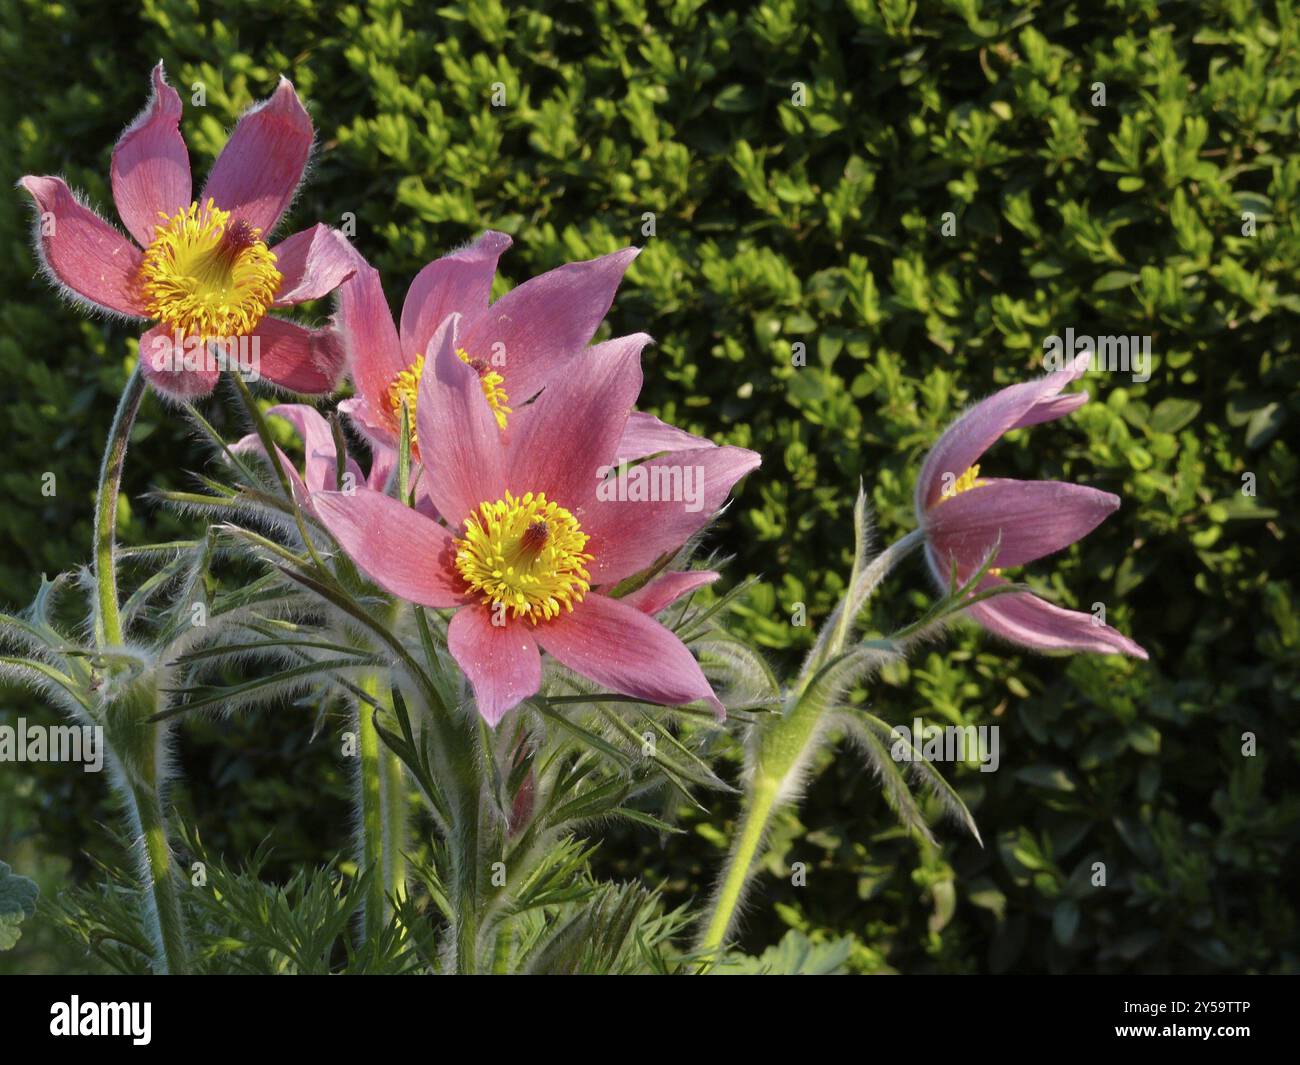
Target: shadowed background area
(794, 162)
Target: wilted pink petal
(403, 552)
(81, 252)
(1033, 518)
(151, 165)
(177, 373)
(501, 661)
(303, 360)
(667, 588)
(459, 282)
(629, 534)
(617, 645)
(645, 435)
(313, 263)
(258, 171)
(460, 447)
(559, 445)
(545, 321)
(1029, 621)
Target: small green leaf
(17, 901)
(1173, 414)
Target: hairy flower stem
(394, 782)
(465, 851)
(381, 798)
(760, 798)
(165, 914)
(108, 623)
(782, 749)
(370, 792)
(132, 736)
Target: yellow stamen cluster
(525, 554)
(405, 388)
(206, 276)
(492, 390)
(964, 483)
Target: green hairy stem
(370, 792)
(127, 727)
(783, 747)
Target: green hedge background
(778, 224)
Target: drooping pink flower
(965, 516)
(201, 268)
(535, 537)
(515, 345)
(320, 457)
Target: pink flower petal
(404, 553)
(620, 647)
(313, 263)
(461, 281)
(180, 373)
(559, 444)
(975, 432)
(252, 444)
(545, 322)
(151, 165)
(372, 427)
(629, 534)
(1031, 622)
(460, 444)
(1034, 519)
(309, 361)
(81, 253)
(646, 435)
(320, 469)
(667, 588)
(383, 462)
(1049, 410)
(375, 355)
(257, 173)
(501, 661)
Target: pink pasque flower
(201, 268)
(320, 456)
(965, 515)
(515, 345)
(534, 536)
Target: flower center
(964, 483)
(526, 554)
(406, 387)
(207, 276)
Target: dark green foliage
(820, 225)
